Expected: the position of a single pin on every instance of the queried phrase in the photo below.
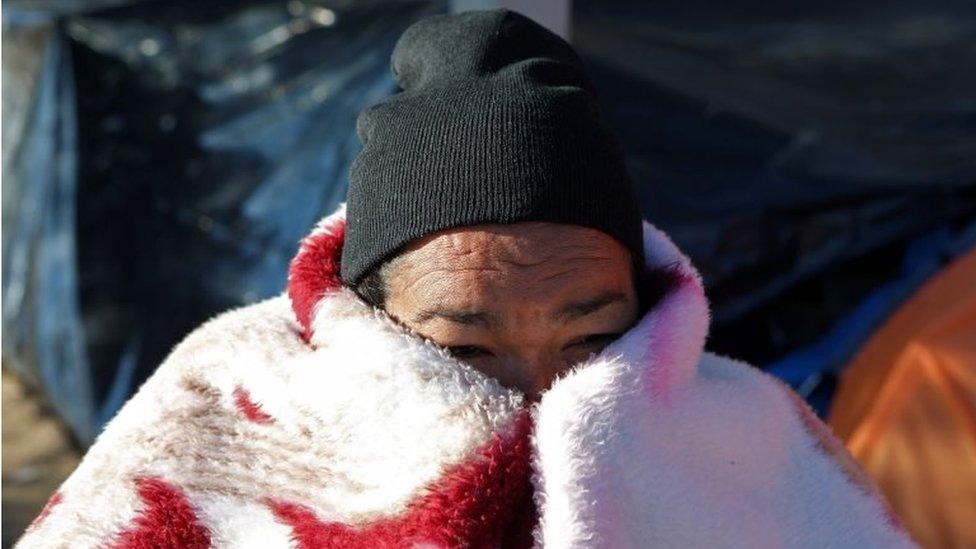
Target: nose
(534, 374)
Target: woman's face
(520, 302)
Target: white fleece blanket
(311, 420)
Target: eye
(468, 352)
(594, 341)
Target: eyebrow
(468, 318)
(573, 311)
(570, 311)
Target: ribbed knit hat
(497, 122)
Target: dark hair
(649, 285)
(372, 288)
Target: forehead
(491, 261)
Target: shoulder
(746, 393)
(266, 325)
(717, 367)
(205, 375)
(239, 346)
(264, 332)
(192, 428)
(736, 382)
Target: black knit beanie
(497, 122)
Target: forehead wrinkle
(523, 274)
(513, 259)
(512, 247)
(547, 249)
(524, 264)
(563, 267)
(550, 258)
(558, 274)
(446, 270)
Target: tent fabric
(813, 370)
(906, 408)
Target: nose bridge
(537, 368)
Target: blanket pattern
(312, 420)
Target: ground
(37, 456)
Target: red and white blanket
(312, 420)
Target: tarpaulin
(171, 156)
(780, 143)
(906, 407)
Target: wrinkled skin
(521, 302)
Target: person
(486, 346)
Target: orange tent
(906, 407)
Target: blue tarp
(174, 156)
